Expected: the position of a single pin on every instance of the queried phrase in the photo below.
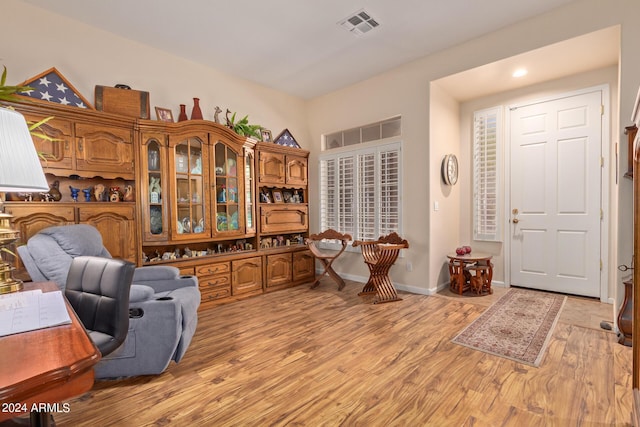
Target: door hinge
(600, 265)
(601, 214)
(601, 161)
(601, 110)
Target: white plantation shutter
(346, 195)
(487, 143)
(367, 196)
(328, 194)
(360, 191)
(389, 191)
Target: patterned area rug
(518, 326)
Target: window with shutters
(360, 190)
(487, 147)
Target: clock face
(450, 169)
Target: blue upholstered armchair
(163, 304)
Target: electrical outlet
(409, 266)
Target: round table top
(472, 257)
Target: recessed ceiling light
(520, 72)
(359, 22)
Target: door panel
(555, 194)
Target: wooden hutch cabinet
(193, 198)
(284, 218)
(88, 149)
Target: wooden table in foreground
(470, 271)
(43, 368)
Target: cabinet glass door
(228, 214)
(248, 190)
(153, 191)
(189, 188)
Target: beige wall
(36, 40)
(88, 56)
(406, 91)
(444, 138)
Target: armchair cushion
(140, 293)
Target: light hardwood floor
(326, 358)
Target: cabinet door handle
(80, 146)
(66, 145)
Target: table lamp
(20, 170)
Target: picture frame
(287, 196)
(277, 196)
(164, 114)
(266, 135)
(265, 197)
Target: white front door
(556, 194)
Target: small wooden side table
(460, 277)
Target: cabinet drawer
(209, 269)
(279, 219)
(187, 271)
(215, 293)
(214, 281)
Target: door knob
(516, 220)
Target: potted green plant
(243, 128)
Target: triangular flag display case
(52, 86)
(285, 138)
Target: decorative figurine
(155, 190)
(98, 192)
(128, 193)
(197, 168)
(114, 194)
(54, 191)
(87, 194)
(217, 111)
(74, 193)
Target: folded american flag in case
(51, 86)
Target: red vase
(183, 113)
(196, 113)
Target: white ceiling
(296, 46)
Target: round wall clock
(450, 169)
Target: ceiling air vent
(359, 23)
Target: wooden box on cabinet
(283, 219)
(128, 102)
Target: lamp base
(7, 283)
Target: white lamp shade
(20, 168)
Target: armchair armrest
(162, 278)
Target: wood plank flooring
(321, 357)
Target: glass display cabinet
(154, 188)
(190, 209)
(229, 218)
(249, 183)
